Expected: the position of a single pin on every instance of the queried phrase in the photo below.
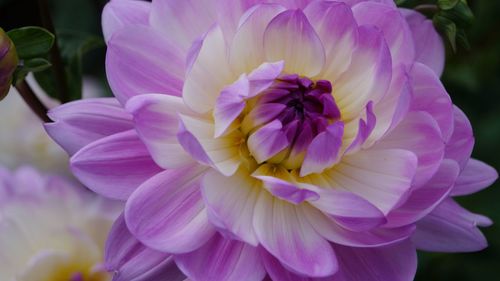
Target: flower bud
(8, 63)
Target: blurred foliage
(471, 77)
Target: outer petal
(337, 234)
(278, 272)
(396, 262)
(423, 200)
(349, 210)
(222, 259)
(392, 23)
(474, 177)
(429, 46)
(114, 166)
(290, 37)
(420, 134)
(461, 142)
(139, 60)
(368, 76)
(380, 176)
(338, 32)
(167, 213)
(231, 202)
(157, 122)
(118, 14)
(284, 231)
(209, 74)
(451, 228)
(79, 123)
(129, 260)
(429, 95)
(182, 22)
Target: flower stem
(32, 100)
(55, 53)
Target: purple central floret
(310, 106)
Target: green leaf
(73, 46)
(462, 39)
(31, 41)
(447, 4)
(461, 15)
(400, 2)
(448, 28)
(32, 65)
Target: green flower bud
(8, 63)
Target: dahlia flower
(281, 139)
(50, 231)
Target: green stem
(55, 53)
(33, 101)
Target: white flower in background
(23, 140)
(50, 230)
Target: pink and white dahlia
(49, 231)
(280, 139)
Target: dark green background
(471, 77)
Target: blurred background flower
(50, 229)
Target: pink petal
(267, 141)
(459, 146)
(139, 60)
(222, 259)
(382, 177)
(331, 230)
(424, 199)
(292, 192)
(197, 138)
(167, 212)
(230, 202)
(338, 31)
(129, 260)
(114, 166)
(429, 47)
(77, 124)
(278, 272)
(451, 228)
(349, 210)
(394, 27)
(393, 107)
(324, 150)
(230, 104)
(118, 14)
(157, 122)
(368, 76)
(420, 134)
(429, 95)
(365, 128)
(291, 38)
(209, 74)
(396, 262)
(182, 22)
(474, 177)
(247, 48)
(284, 231)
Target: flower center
(290, 114)
(306, 102)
